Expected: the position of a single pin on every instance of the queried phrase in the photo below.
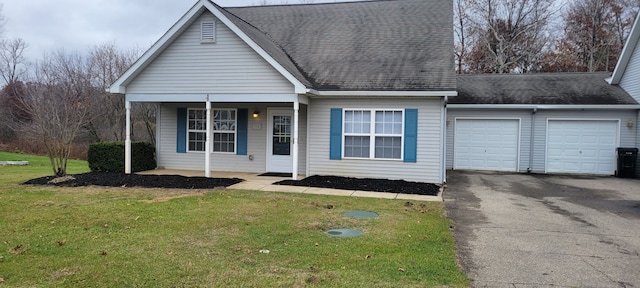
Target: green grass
(128, 237)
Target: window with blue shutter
(335, 134)
(374, 134)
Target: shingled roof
(543, 88)
(387, 45)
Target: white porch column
(207, 143)
(296, 108)
(127, 141)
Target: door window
(281, 135)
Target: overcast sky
(51, 25)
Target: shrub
(109, 157)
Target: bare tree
(461, 30)
(596, 31)
(58, 101)
(3, 21)
(106, 64)
(13, 64)
(13, 68)
(509, 35)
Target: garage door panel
(581, 146)
(486, 144)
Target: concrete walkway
(265, 183)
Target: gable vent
(208, 32)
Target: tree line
(60, 102)
(523, 36)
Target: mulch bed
(111, 179)
(375, 185)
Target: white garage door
(585, 146)
(486, 144)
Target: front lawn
(135, 237)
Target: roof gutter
(383, 93)
(544, 107)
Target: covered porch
(239, 133)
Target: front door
(279, 146)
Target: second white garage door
(486, 144)
(582, 146)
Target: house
(627, 72)
(353, 89)
(542, 123)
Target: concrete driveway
(519, 230)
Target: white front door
(279, 146)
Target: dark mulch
(111, 179)
(276, 174)
(375, 185)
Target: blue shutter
(410, 135)
(335, 134)
(241, 131)
(181, 138)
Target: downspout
(444, 141)
(531, 138)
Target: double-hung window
(224, 130)
(196, 129)
(223, 126)
(373, 134)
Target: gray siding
(426, 169)
(302, 140)
(525, 130)
(256, 146)
(629, 81)
(228, 66)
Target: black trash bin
(627, 162)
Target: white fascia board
(120, 85)
(166, 97)
(384, 93)
(219, 98)
(299, 87)
(626, 54)
(543, 107)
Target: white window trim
(192, 130)
(372, 134)
(235, 132)
(204, 25)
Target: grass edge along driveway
(105, 237)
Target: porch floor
(265, 183)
